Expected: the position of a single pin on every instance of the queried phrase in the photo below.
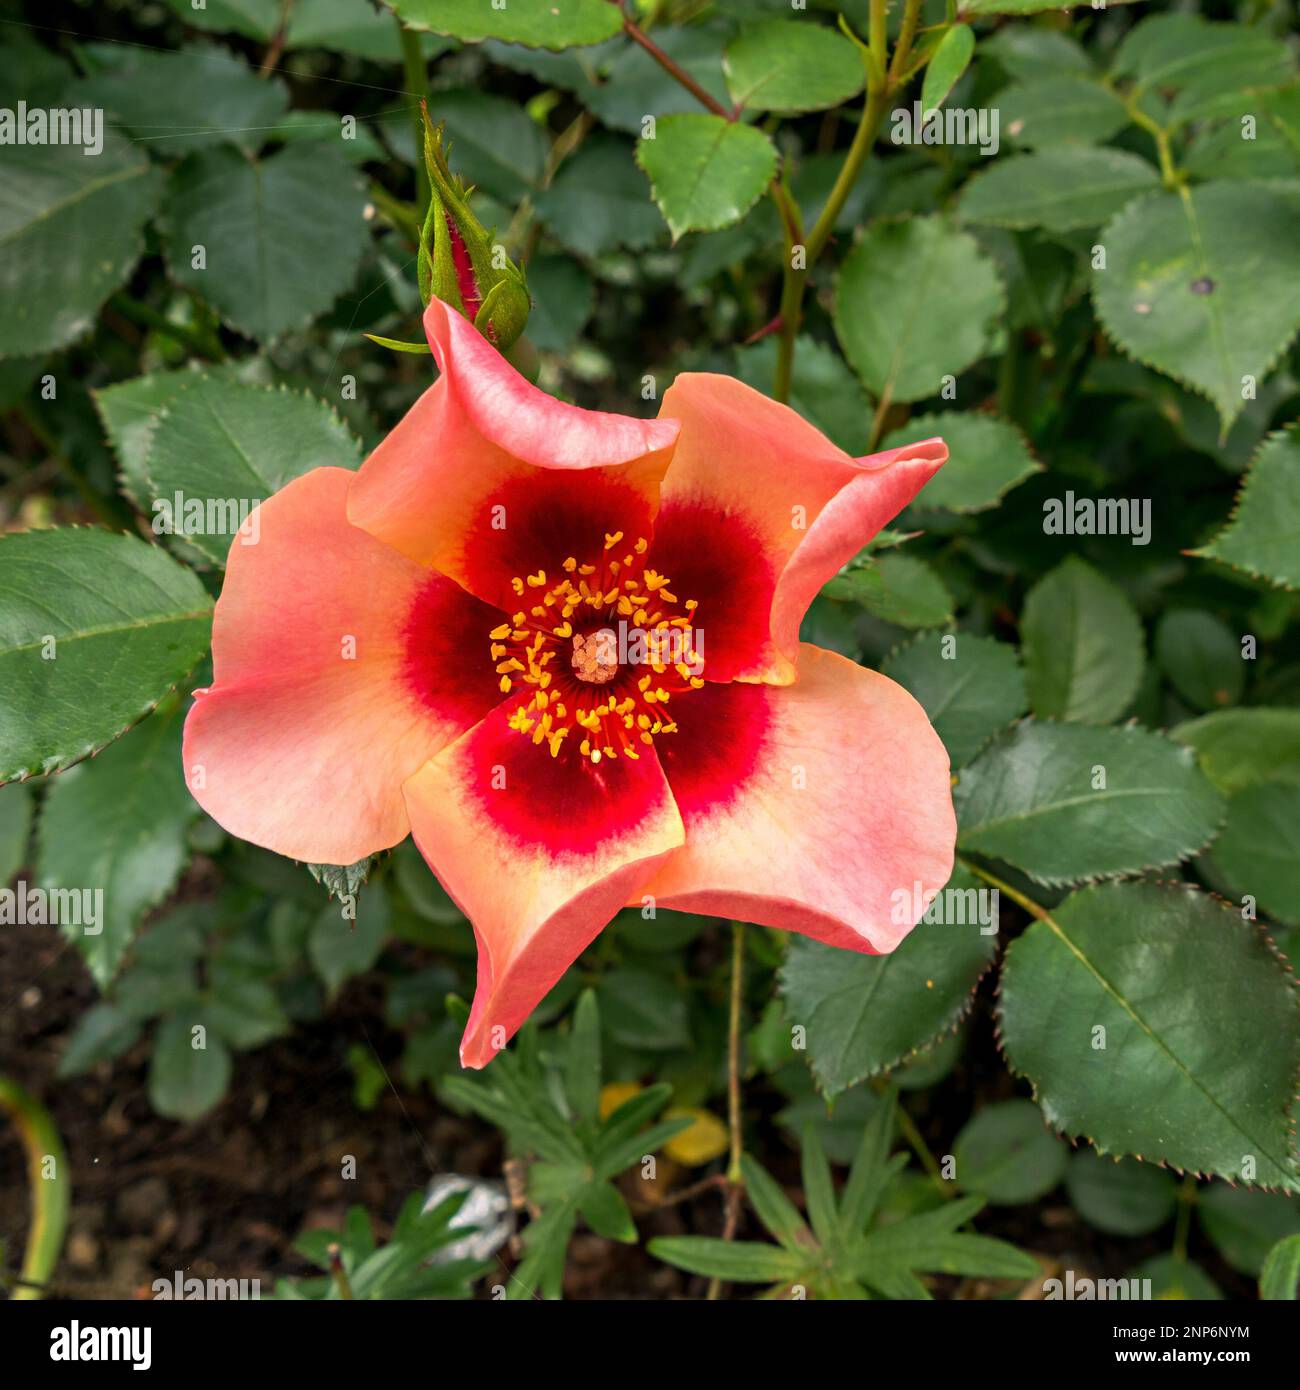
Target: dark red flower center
(597, 652)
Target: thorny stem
(685, 1194)
(878, 419)
(1034, 909)
(276, 48)
(416, 79)
(880, 90)
(903, 49)
(735, 1180)
(675, 69)
(792, 283)
(1169, 174)
(878, 39)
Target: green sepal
(398, 346)
(503, 300)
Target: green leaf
(547, 1241)
(1174, 1278)
(600, 200)
(970, 687)
(96, 628)
(914, 302)
(1185, 291)
(173, 103)
(642, 1010)
(1127, 1198)
(947, 63)
(929, 1242)
(396, 345)
(818, 1187)
(103, 1033)
(824, 391)
(1029, 51)
(603, 1209)
(1201, 656)
(865, 1014)
(563, 300)
(1006, 1154)
(706, 172)
(15, 828)
(30, 71)
(1280, 1277)
(987, 457)
(743, 1261)
(118, 824)
(1258, 851)
(282, 237)
(1200, 61)
(1065, 802)
(342, 26)
(870, 1173)
(187, 1080)
(774, 1209)
(1260, 537)
(129, 412)
(920, 1243)
(1195, 1066)
(1083, 646)
(254, 19)
(582, 1077)
(1220, 150)
(341, 948)
(556, 24)
(792, 65)
(1244, 1226)
(1059, 189)
(898, 589)
(72, 226)
(247, 1012)
(1060, 110)
(622, 1140)
(343, 880)
(357, 144)
(221, 447)
(1238, 747)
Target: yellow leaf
(615, 1094)
(704, 1141)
